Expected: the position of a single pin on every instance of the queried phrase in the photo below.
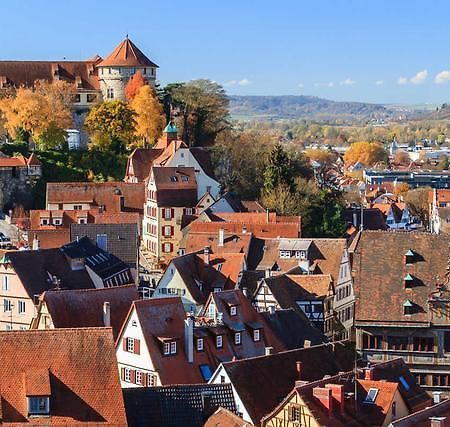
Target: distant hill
(307, 108)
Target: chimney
(355, 219)
(268, 351)
(368, 374)
(437, 397)
(189, 339)
(36, 243)
(298, 368)
(306, 343)
(107, 314)
(438, 421)
(206, 255)
(244, 229)
(324, 396)
(337, 392)
(245, 292)
(221, 237)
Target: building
(171, 193)
(95, 79)
(18, 175)
(110, 197)
(187, 405)
(85, 308)
(225, 418)
(349, 399)
(194, 276)
(397, 215)
(439, 211)
(160, 345)
(437, 415)
(401, 302)
(60, 377)
(433, 179)
(261, 383)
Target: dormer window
(285, 254)
(256, 335)
(57, 221)
(170, 348)
(200, 344)
(173, 179)
(408, 307)
(45, 221)
(184, 178)
(38, 405)
(219, 341)
(409, 257)
(237, 338)
(233, 310)
(409, 280)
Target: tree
(417, 201)
(443, 163)
(401, 188)
(134, 85)
(111, 122)
(402, 158)
(201, 111)
(278, 170)
(150, 119)
(42, 112)
(368, 153)
(321, 156)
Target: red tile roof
(140, 162)
(233, 242)
(422, 418)
(225, 418)
(126, 54)
(82, 373)
(442, 195)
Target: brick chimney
(298, 369)
(324, 396)
(438, 421)
(221, 237)
(368, 374)
(337, 392)
(107, 314)
(189, 339)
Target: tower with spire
(118, 67)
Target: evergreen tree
(279, 170)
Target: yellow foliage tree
(318, 155)
(42, 112)
(367, 153)
(150, 119)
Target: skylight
(371, 395)
(403, 382)
(206, 372)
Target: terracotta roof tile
(224, 418)
(126, 54)
(232, 243)
(140, 162)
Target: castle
(96, 79)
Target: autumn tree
(150, 119)
(134, 85)
(200, 110)
(401, 188)
(111, 124)
(321, 156)
(368, 153)
(402, 158)
(417, 201)
(43, 112)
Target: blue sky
(388, 51)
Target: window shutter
(137, 346)
(122, 373)
(124, 344)
(133, 376)
(171, 247)
(172, 213)
(144, 379)
(171, 230)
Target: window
(77, 98)
(82, 221)
(173, 347)
(219, 341)
(256, 335)
(173, 179)
(167, 247)
(222, 379)
(371, 395)
(102, 241)
(294, 413)
(167, 213)
(5, 283)
(57, 221)
(285, 254)
(91, 97)
(38, 405)
(237, 338)
(421, 378)
(233, 310)
(167, 230)
(219, 267)
(77, 207)
(394, 409)
(7, 305)
(139, 377)
(21, 307)
(44, 221)
(166, 348)
(127, 375)
(200, 344)
(184, 178)
(188, 211)
(423, 344)
(372, 341)
(130, 345)
(151, 380)
(397, 343)
(206, 372)
(110, 93)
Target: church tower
(117, 68)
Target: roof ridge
(89, 290)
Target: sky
(383, 51)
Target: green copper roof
(409, 277)
(170, 128)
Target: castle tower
(117, 68)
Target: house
(187, 405)
(110, 197)
(313, 294)
(95, 79)
(18, 175)
(397, 215)
(71, 381)
(225, 418)
(171, 193)
(365, 219)
(160, 345)
(194, 276)
(401, 308)
(104, 269)
(317, 257)
(439, 210)
(437, 415)
(261, 383)
(25, 275)
(347, 399)
(85, 308)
